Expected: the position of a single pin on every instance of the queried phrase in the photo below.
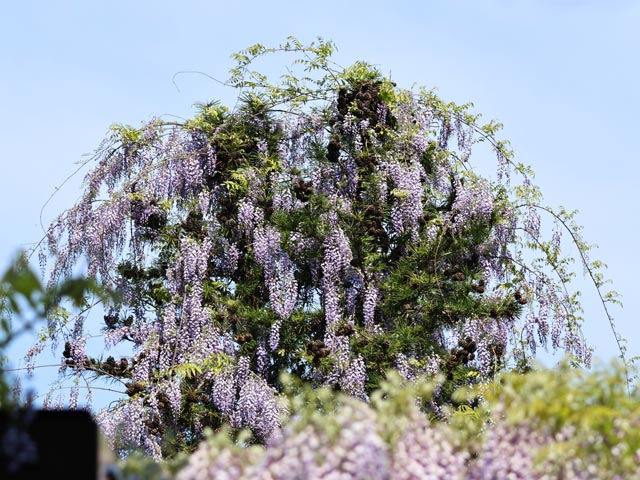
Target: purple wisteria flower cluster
(345, 446)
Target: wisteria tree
(330, 225)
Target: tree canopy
(330, 225)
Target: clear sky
(562, 75)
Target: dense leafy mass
(331, 226)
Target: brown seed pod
(520, 297)
(314, 346)
(244, 337)
(344, 330)
(323, 352)
(479, 287)
(133, 388)
(458, 277)
(67, 350)
(333, 150)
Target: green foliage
(592, 412)
(24, 298)
(215, 363)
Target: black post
(44, 444)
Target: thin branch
(197, 72)
(577, 242)
(19, 369)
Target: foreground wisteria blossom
(513, 436)
(329, 226)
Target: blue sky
(562, 75)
